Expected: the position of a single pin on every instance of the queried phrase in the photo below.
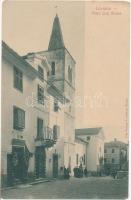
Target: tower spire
(56, 39)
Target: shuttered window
(39, 128)
(18, 79)
(40, 95)
(41, 73)
(18, 118)
(56, 132)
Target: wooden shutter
(39, 128)
(18, 118)
(18, 79)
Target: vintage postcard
(65, 99)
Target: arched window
(70, 74)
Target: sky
(98, 42)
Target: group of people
(80, 172)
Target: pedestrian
(80, 171)
(114, 173)
(75, 171)
(61, 172)
(68, 173)
(85, 172)
(65, 172)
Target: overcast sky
(99, 44)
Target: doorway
(10, 175)
(16, 163)
(40, 162)
(55, 165)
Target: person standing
(85, 172)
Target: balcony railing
(55, 91)
(47, 139)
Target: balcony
(56, 89)
(47, 140)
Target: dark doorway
(55, 165)
(40, 162)
(10, 175)
(18, 163)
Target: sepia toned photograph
(65, 99)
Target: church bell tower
(62, 72)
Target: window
(105, 150)
(41, 73)
(56, 106)
(18, 79)
(18, 118)
(69, 74)
(40, 95)
(53, 68)
(88, 138)
(84, 159)
(113, 160)
(105, 160)
(39, 128)
(56, 130)
(113, 150)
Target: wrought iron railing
(47, 139)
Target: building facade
(115, 156)
(91, 143)
(38, 115)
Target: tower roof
(56, 39)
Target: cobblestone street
(91, 187)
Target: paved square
(77, 188)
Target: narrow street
(91, 187)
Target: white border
(129, 186)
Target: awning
(21, 143)
(17, 142)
